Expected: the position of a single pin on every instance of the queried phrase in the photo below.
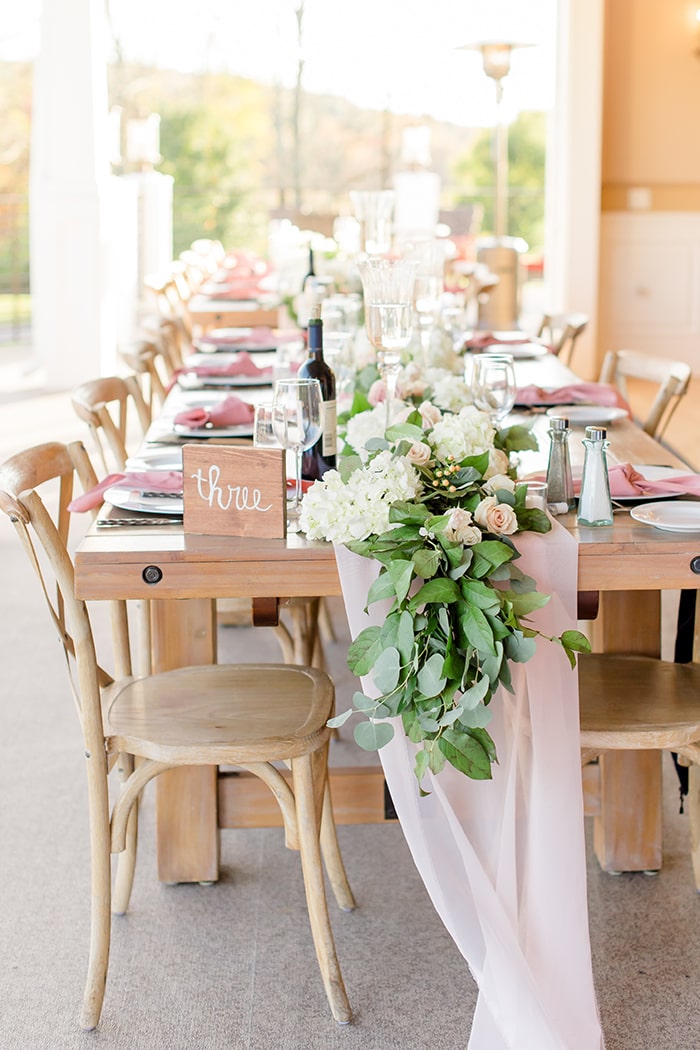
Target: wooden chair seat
(633, 703)
(218, 710)
(250, 716)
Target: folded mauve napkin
(242, 365)
(603, 394)
(480, 342)
(148, 480)
(625, 481)
(230, 412)
(260, 336)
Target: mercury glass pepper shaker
(560, 484)
(594, 505)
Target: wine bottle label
(329, 441)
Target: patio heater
(500, 310)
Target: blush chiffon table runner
(503, 860)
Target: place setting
(229, 370)
(260, 339)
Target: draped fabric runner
(504, 860)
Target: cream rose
(498, 463)
(419, 453)
(461, 529)
(430, 413)
(500, 481)
(496, 517)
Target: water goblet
(296, 421)
(388, 294)
(493, 385)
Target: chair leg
(126, 860)
(100, 893)
(694, 814)
(309, 847)
(332, 857)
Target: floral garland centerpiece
(434, 501)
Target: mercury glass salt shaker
(560, 484)
(594, 505)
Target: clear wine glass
(493, 385)
(296, 420)
(387, 285)
(429, 286)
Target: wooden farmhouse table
(622, 569)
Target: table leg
(187, 836)
(627, 829)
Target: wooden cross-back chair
(110, 405)
(146, 361)
(250, 716)
(670, 378)
(562, 331)
(166, 291)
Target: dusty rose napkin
(243, 365)
(579, 393)
(479, 342)
(150, 480)
(230, 412)
(626, 481)
(260, 336)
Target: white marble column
(72, 197)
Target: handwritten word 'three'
(240, 496)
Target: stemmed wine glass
(296, 421)
(387, 285)
(493, 385)
(429, 286)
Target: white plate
(587, 415)
(681, 516)
(191, 381)
(654, 472)
(521, 351)
(131, 499)
(157, 459)
(242, 430)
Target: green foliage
(457, 617)
(526, 168)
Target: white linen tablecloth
(504, 859)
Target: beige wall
(651, 108)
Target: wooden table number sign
(232, 491)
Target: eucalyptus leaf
(466, 753)
(451, 716)
(476, 629)
(421, 767)
(339, 720)
(348, 466)
(363, 652)
(437, 590)
(386, 670)
(430, 725)
(519, 648)
(478, 718)
(367, 705)
(405, 430)
(377, 444)
(404, 636)
(381, 588)
(476, 693)
(401, 573)
(371, 736)
(437, 759)
(431, 680)
(426, 563)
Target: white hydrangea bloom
(466, 434)
(339, 512)
(364, 426)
